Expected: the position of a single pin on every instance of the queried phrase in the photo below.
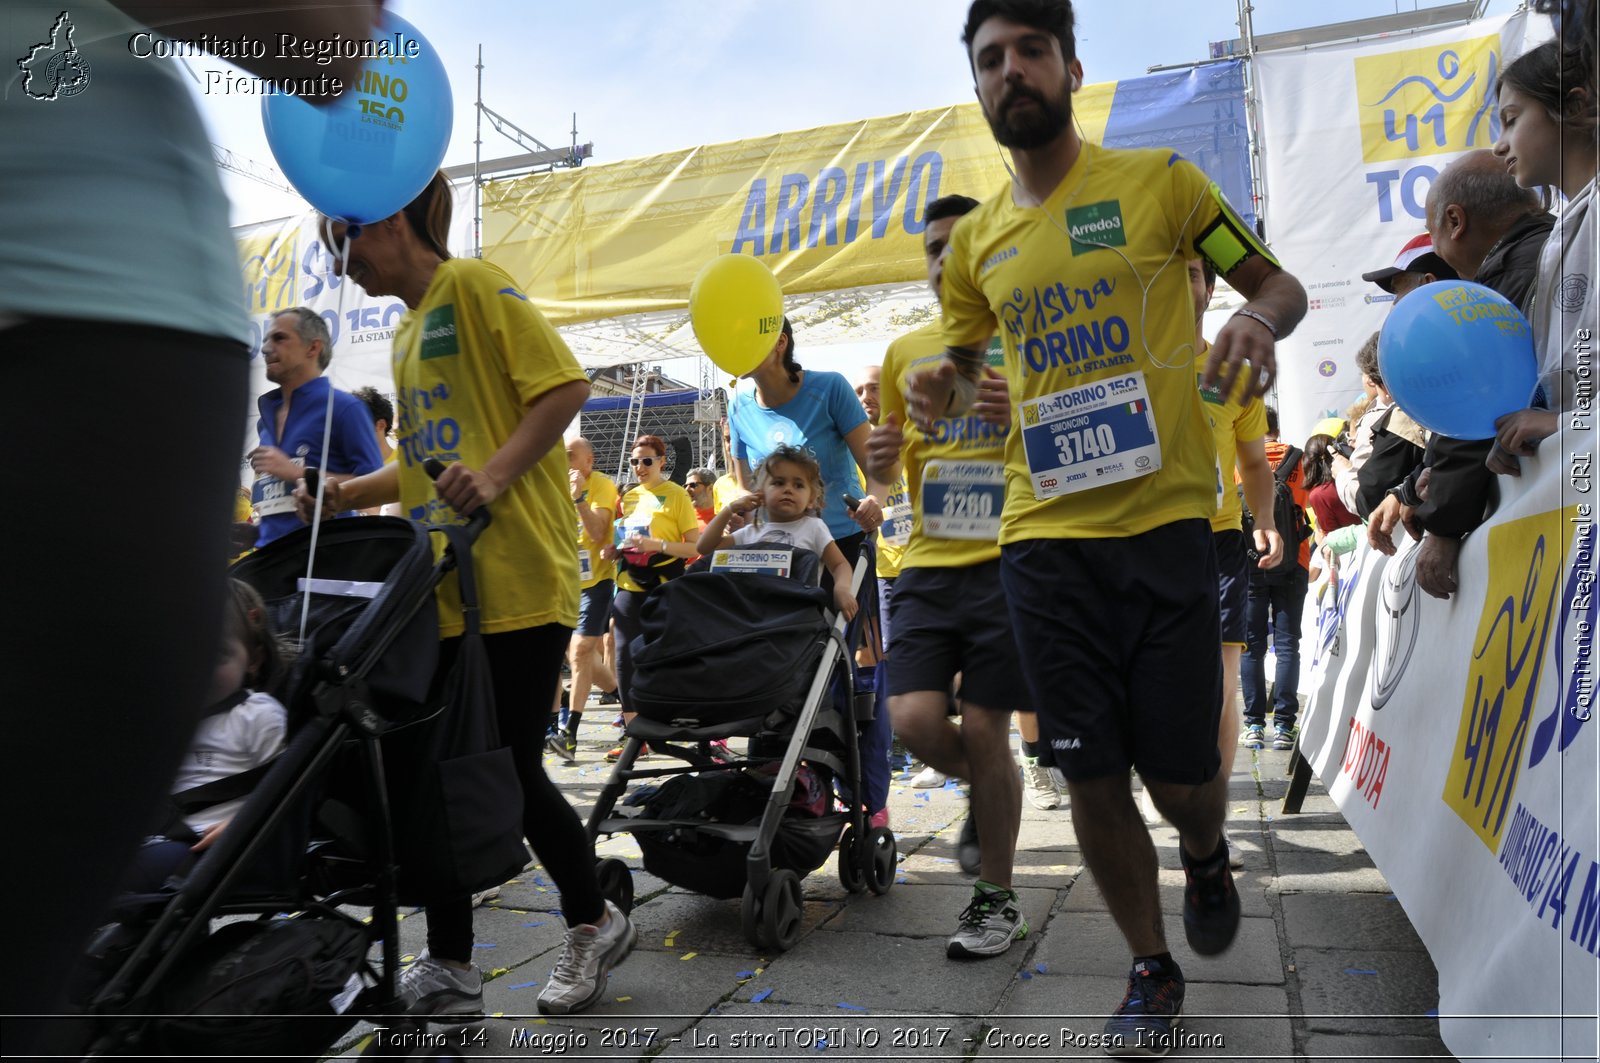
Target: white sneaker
(429, 987)
(480, 899)
(1038, 785)
(579, 978)
(929, 778)
(1235, 857)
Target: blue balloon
(1456, 356)
(370, 152)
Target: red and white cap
(1418, 256)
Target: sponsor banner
(1457, 738)
(833, 208)
(1351, 137)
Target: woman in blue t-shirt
(816, 410)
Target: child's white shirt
(807, 533)
(227, 743)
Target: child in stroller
(241, 733)
(789, 496)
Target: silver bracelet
(1245, 311)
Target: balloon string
(327, 436)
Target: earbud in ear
(1076, 84)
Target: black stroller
(314, 836)
(758, 624)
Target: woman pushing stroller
(484, 384)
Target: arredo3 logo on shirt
(1095, 226)
(54, 69)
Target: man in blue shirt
(296, 350)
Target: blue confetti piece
(483, 945)
(539, 923)
(523, 985)
(745, 974)
(759, 997)
(851, 1007)
(1025, 976)
(822, 1044)
(1042, 968)
(1391, 897)
(1432, 1013)
(1359, 970)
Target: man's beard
(1030, 130)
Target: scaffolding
(612, 422)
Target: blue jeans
(1284, 602)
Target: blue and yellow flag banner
(831, 208)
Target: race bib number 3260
(1090, 436)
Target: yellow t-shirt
(1231, 424)
(467, 364)
(1090, 296)
(956, 473)
(895, 531)
(725, 490)
(592, 568)
(665, 513)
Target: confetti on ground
(536, 923)
(1359, 970)
(745, 974)
(1025, 976)
(483, 945)
(851, 1007)
(623, 1000)
(759, 997)
(1042, 968)
(523, 985)
(497, 972)
(672, 938)
(692, 955)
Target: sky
(650, 76)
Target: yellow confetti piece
(688, 955)
(513, 882)
(361, 1046)
(498, 971)
(408, 959)
(623, 1000)
(541, 1022)
(398, 916)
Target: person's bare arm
(1255, 473)
(1274, 295)
(465, 489)
(309, 20)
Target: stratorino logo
(54, 69)
(1428, 101)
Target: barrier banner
(833, 208)
(1457, 738)
(1352, 136)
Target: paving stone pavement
(1326, 964)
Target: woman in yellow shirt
(656, 536)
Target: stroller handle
(479, 519)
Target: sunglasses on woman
(646, 462)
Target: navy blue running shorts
(1233, 584)
(594, 608)
(1120, 644)
(950, 620)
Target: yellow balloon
(1328, 426)
(736, 307)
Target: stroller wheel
(616, 883)
(851, 874)
(780, 910)
(881, 864)
(750, 919)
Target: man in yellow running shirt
(1106, 553)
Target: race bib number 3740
(1090, 436)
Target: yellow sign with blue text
(1428, 101)
(1527, 569)
(831, 208)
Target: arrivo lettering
(809, 210)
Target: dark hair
(649, 442)
(1272, 420)
(789, 363)
(1209, 272)
(950, 207)
(1367, 360)
(1316, 462)
(1052, 16)
(1577, 24)
(1548, 75)
(247, 621)
(378, 405)
(429, 215)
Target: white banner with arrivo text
(1457, 738)
(1352, 136)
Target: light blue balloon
(377, 146)
(1456, 356)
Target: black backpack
(1287, 517)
